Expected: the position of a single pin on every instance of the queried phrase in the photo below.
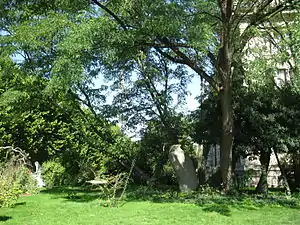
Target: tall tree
(179, 42)
(207, 36)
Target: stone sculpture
(184, 169)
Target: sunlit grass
(84, 207)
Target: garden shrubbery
(15, 180)
(53, 173)
(9, 190)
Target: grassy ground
(77, 206)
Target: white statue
(38, 175)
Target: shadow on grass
(5, 218)
(62, 190)
(212, 201)
(74, 194)
(214, 198)
(81, 198)
(221, 209)
(18, 204)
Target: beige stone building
(247, 170)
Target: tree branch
(184, 59)
(168, 56)
(260, 17)
(116, 18)
(164, 45)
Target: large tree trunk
(296, 162)
(262, 186)
(224, 70)
(283, 174)
(159, 166)
(224, 64)
(226, 137)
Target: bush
(27, 183)
(15, 180)
(15, 177)
(9, 192)
(53, 173)
(168, 177)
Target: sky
(191, 102)
(194, 88)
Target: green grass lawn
(83, 207)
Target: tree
(156, 91)
(203, 35)
(55, 126)
(180, 48)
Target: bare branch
(260, 17)
(212, 57)
(19, 155)
(243, 16)
(211, 15)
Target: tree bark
(262, 186)
(296, 162)
(159, 167)
(226, 137)
(283, 174)
(224, 71)
(224, 64)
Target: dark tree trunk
(297, 170)
(283, 174)
(224, 64)
(159, 166)
(262, 186)
(226, 137)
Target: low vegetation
(144, 205)
(15, 178)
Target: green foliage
(156, 142)
(8, 192)
(53, 173)
(168, 175)
(30, 118)
(58, 48)
(206, 120)
(27, 183)
(15, 176)
(243, 180)
(15, 180)
(115, 188)
(208, 197)
(55, 125)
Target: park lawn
(85, 208)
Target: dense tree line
(51, 52)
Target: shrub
(15, 177)
(53, 173)
(9, 190)
(15, 180)
(169, 176)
